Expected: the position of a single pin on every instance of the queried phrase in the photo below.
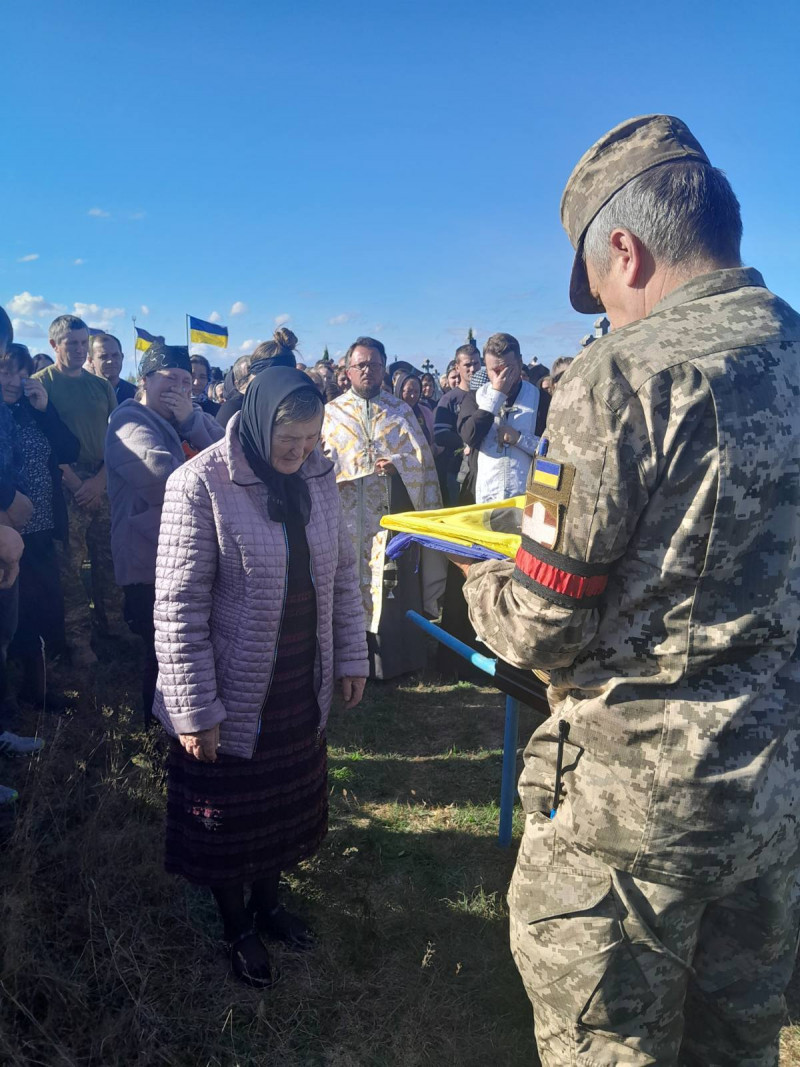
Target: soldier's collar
(718, 281)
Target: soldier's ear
(630, 260)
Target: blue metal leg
(508, 788)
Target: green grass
(105, 961)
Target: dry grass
(106, 961)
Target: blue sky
(383, 167)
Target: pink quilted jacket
(220, 581)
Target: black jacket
(64, 448)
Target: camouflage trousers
(89, 538)
(626, 972)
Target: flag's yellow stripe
(543, 478)
(200, 338)
(142, 345)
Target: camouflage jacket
(659, 583)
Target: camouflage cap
(620, 155)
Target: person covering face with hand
(147, 440)
(501, 423)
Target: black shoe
(281, 925)
(250, 962)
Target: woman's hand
(352, 691)
(203, 745)
(36, 393)
(178, 404)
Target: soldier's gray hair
(61, 327)
(683, 212)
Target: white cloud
(145, 309)
(215, 317)
(26, 328)
(98, 213)
(136, 215)
(29, 258)
(239, 308)
(281, 320)
(249, 346)
(26, 304)
(340, 320)
(99, 317)
(79, 262)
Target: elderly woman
(147, 439)
(408, 386)
(258, 611)
(430, 391)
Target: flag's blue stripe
(145, 336)
(547, 467)
(207, 327)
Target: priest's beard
(366, 394)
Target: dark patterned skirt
(238, 820)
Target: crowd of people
(236, 527)
(175, 506)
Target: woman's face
(292, 443)
(11, 379)
(410, 391)
(427, 387)
(453, 378)
(163, 385)
(219, 392)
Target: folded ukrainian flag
(478, 531)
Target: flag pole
(135, 349)
(188, 345)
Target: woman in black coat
(46, 443)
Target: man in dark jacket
(445, 419)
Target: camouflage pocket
(570, 946)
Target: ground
(106, 961)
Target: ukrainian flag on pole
(143, 339)
(207, 333)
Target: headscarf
(282, 359)
(288, 493)
(163, 357)
(399, 379)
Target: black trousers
(8, 624)
(41, 601)
(138, 610)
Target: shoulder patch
(547, 497)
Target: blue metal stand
(511, 735)
(508, 786)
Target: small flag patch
(547, 473)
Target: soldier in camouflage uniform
(654, 905)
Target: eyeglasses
(361, 367)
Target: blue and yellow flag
(207, 333)
(144, 339)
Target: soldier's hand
(461, 562)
